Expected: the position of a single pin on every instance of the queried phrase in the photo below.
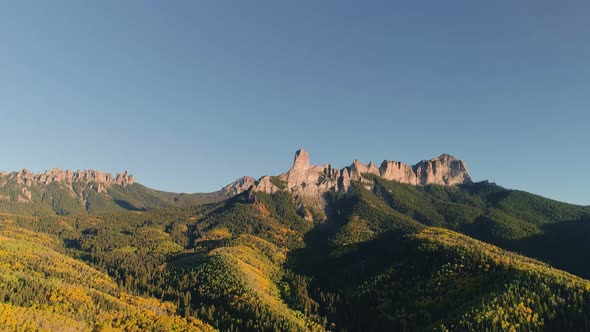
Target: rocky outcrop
(240, 185)
(308, 183)
(398, 171)
(28, 178)
(443, 170)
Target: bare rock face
(398, 171)
(443, 170)
(265, 184)
(25, 195)
(240, 185)
(124, 179)
(301, 161)
(31, 187)
(358, 168)
(28, 178)
(309, 183)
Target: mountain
(310, 184)
(363, 248)
(65, 192)
(72, 192)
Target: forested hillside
(92, 197)
(388, 257)
(535, 226)
(43, 289)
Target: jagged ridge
(65, 192)
(29, 178)
(308, 182)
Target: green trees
(391, 257)
(81, 197)
(43, 289)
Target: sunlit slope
(229, 270)
(222, 263)
(43, 289)
(244, 282)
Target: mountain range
(65, 191)
(393, 247)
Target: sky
(190, 95)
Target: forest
(390, 257)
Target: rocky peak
(301, 161)
(445, 157)
(55, 175)
(443, 170)
(85, 180)
(398, 171)
(124, 179)
(309, 183)
(357, 169)
(302, 173)
(242, 184)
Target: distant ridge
(29, 178)
(66, 191)
(310, 183)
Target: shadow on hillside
(346, 266)
(335, 266)
(128, 206)
(564, 245)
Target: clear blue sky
(189, 95)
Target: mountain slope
(369, 254)
(373, 268)
(43, 289)
(530, 224)
(67, 192)
(254, 263)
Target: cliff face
(66, 191)
(308, 183)
(240, 185)
(55, 175)
(70, 192)
(21, 186)
(443, 170)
